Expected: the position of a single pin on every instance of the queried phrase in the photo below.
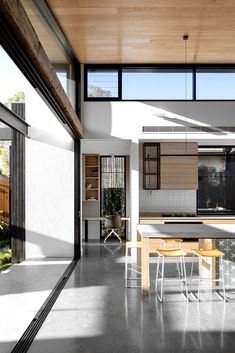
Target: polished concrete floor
(95, 313)
(23, 289)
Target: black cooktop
(184, 214)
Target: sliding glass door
(113, 189)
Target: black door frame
(77, 200)
(101, 188)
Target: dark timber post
(17, 165)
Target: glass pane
(53, 49)
(216, 183)
(151, 151)
(102, 83)
(215, 84)
(113, 190)
(151, 166)
(157, 84)
(151, 182)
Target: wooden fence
(5, 198)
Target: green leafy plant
(5, 260)
(4, 243)
(113, 204)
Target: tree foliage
(94, 91)
(18, 97)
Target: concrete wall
(49, 183)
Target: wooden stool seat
(208, 253)
(172, 253)
(172, 240)
(134, 244)
(171, 243)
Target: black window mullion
(194, 82)
(120, 83)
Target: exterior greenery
(5, 260)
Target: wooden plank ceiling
(148, 31)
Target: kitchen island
(150, 234)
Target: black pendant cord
(30, 333)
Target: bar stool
(169, 241)
(172, 244)
(202, 256)
(131, 245)
(179, 254)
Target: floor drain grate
(30, 333)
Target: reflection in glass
(216, 172)
(102, 83)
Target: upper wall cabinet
(179, 166)
(151, 161)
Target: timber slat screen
(4, 198)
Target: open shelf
(91, 177)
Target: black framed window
(180, 82)
(215, 84)
(157, 84)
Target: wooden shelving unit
(91, 177)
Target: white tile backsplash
(157, 201)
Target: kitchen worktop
(158, 216)
(197, 231)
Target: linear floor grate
(30, 333)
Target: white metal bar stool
(171, 242)
(203, 255)
(132, 245)
(179, 254)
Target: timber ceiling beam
(18, 23)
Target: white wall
(49, 184)
(114, 123)
(124, 120)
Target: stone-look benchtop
(184, 231)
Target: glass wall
(58, 58)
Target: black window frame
(149, 67)
(101, 196)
